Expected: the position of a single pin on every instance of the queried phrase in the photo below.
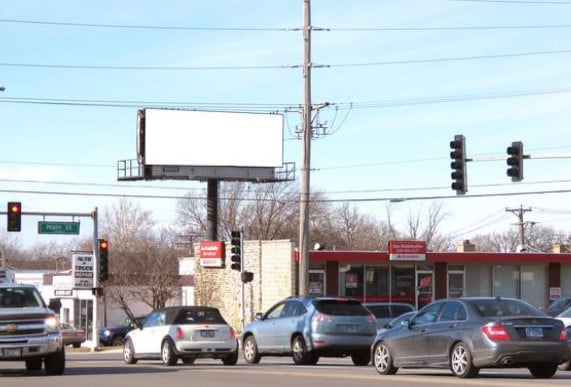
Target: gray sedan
(467, 334)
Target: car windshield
(341, 308)
(499, 307)
(199, 316)
(559, 304)
(19, 298)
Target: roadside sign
(82, 269)
(58, 227)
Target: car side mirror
(406, 323)
(55, 305)
(259, 316)
(387, 326)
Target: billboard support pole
(212, 209)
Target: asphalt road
(107, 369)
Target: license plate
(207, 333)
(533, 332)
(12, 352)
(349, 328)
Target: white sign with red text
(407, 250)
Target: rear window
(499, 308)
(380, 311)
(341, 308)
(199, 316)
(400, 309)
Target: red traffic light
(103, 244)
(15, 208)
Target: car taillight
(320, 317)
(563, 334)
(179, 333)
(231, 334)
(495, 332)
(372, 318)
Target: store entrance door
(424, 288)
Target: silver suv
(309, 327)
(29, 330)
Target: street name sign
(58, 228)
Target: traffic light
(515, 161)
(458, 165)
(103, 260)
(236, 250)
(14, 216)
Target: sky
(401, 79)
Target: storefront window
(455, 281)
(403, 288)
(505, 281)
(376, 284)
(352, 282)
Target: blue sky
(413, 72)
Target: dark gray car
(309, 327)
(467, 334)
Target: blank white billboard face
(197, 138)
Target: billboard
(200, 138)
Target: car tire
(543, 371)
(299, 352)
(167, 353)
(251, 354)
(188, 360)
(361, 358)
(231, 359)
(34, 364)
(383, 360)
(565, 366)
(55, 363)
(129, 352)
(461, 362)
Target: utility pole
(306, 153)
(519, 213)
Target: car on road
(467, 334)
(558, 306)
(71, 335)
(30, 329)
(565, 317)
(182, 332)
(309, 327)
(116, 334)
(385, 312)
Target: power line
(260, 107)
(517, 1)
(278, 29)
(274, 67)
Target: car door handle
(452, 325)
(423, 330)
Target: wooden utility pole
(306, 154)
(519, 213)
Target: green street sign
(58, 228)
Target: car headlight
(106, 332)
(52, 324)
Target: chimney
(560, 248)
(465, 246)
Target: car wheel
(167, 353)
(55, 363)
(34, 364)
(251, 354)
(231, 359)
(299, 352)
(383, 360)
(543, 371)
(565, 366)
(361, 358)
(461, 362)
(117, 341)
(188, 360)
(129, 352)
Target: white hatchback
(186, 333)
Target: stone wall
(274, 278)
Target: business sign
(82, 269)
(211, 254)
(407, 250)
